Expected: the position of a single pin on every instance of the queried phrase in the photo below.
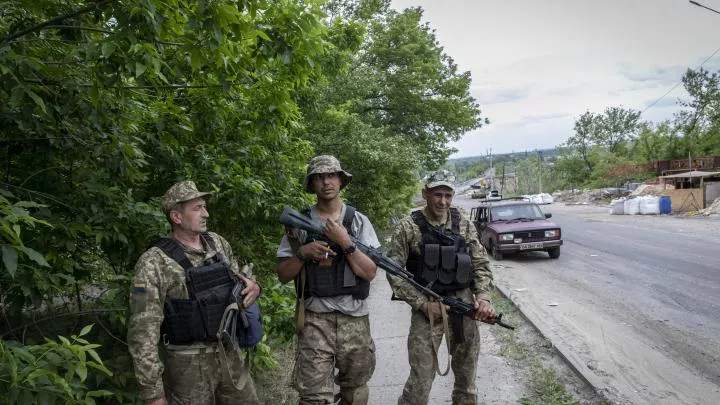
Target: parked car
(478, 194)
(513, 226)
(494, 195)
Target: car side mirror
(548, 215)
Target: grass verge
(547, 388)
(273, 385)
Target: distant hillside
(550, 152)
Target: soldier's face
(193, 215)
(326, 185)
(438, 200)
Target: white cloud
(537, 65)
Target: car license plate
(534, 245)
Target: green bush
(57, 372)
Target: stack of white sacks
(542, 198)
(643, 205)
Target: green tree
(699, 121)
(103, 105)
(615, 127)
(585, 137)
(392, 112)
(655, 142)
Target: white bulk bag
(632, 206)
(650, 205)
(617, 207)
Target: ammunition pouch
(444, 263)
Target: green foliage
(57, 372)
(389, 111)
(15, 216)
(611, 148)
(547, 389)
(466, 169)
(104, 105)
(699, 121)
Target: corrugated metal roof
(692, 174)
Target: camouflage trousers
(329, 341)
(464, 357)
(196, 376)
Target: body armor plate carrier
(333, 277)
(444, 262)
(209, 286)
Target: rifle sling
(300, 303)
(443, 312)
(229, 320)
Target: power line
(679, 83)
(704, 6)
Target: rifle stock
(294, 219)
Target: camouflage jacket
(406, 235)
(156, 277)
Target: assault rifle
(294, 219)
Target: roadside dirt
(630, 358)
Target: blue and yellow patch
(138, 298)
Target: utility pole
(492, 173)
(540, 172)
(502, 182)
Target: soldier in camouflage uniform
(189, 374)
(405, 243)
(332, 312)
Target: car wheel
(496, 254)
(554, 252)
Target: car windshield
(511, 212)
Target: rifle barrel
(294, 219)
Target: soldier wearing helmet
(194, 369)
(459, 269)
(332, 280)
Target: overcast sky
(538, 64)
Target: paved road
(632, 302)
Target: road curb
(555, 348)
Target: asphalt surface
(632, 302)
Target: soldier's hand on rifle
(433, 308)
(251, 291)
(337, 233)
(484, 311)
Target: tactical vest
(209, 286)
(444, 261)
(334, 277)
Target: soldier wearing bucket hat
(332, 280)
(466, 275)
(194, 370)
(325, 164)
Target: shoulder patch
(138, 298)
